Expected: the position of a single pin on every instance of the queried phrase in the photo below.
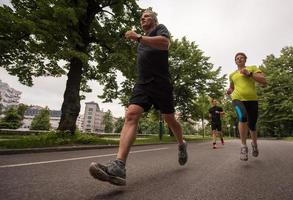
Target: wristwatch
(250, 74)
(139, 36)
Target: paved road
(153, 173)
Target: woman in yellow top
(245, 102)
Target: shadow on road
(143, 181)
(110, 194)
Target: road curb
(52, 149)
(72, 148)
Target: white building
(31, 112)
(79, 122)
(9, 96)
(93, 118)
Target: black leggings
(246, 111)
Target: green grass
(52, 139)
(287, 138)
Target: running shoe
(254, 149)
(182, 154)
(214, 146)
(114, 172)
(244, 153)
(222, 141)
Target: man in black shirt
(215, 114)
(153, 88)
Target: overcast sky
(221, 28)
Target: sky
(220, 28)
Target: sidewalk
(52, 149)
(73, 148)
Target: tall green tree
(193, 76)
(87, 35)
(21, 108)
(149, 123)
(41, 121)
(108, 122)
(12, 119)
(229, 120)
(276, 105)
(118, 125)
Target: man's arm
(158, 42)
(222, 113)
(257, 76)
(260, 78)
(230, 89)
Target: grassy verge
(287, 138)
(52, 139)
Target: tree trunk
(71, 104)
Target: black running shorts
(216, 126)
(247, 111)
(154, 93)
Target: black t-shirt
(153, 63)
(215, 112)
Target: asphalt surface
(153, 173)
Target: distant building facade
(93, 118)
(79, 122)
(32, 111)
(9, 96)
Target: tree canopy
(193, 77)
(81, 38)
(108, 122)
(276, 105)
(42, 120)
(85, 40)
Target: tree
(193, 76)
(108, 122)
(229, 117)
(87, 35)
(41, 121)
(21, 108)
(12, 119)
(187, 128)
(276, 105)
(118, 125)
(1, 106)
(200, 110)
(149, 123)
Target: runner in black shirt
(153, 88)
(215, 114)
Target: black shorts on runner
(154, 93)
(247, 111)
(216, 126)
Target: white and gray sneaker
(244, 153)
(254, 149)
(114, 172)
(182, 154)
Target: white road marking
(79, 158)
